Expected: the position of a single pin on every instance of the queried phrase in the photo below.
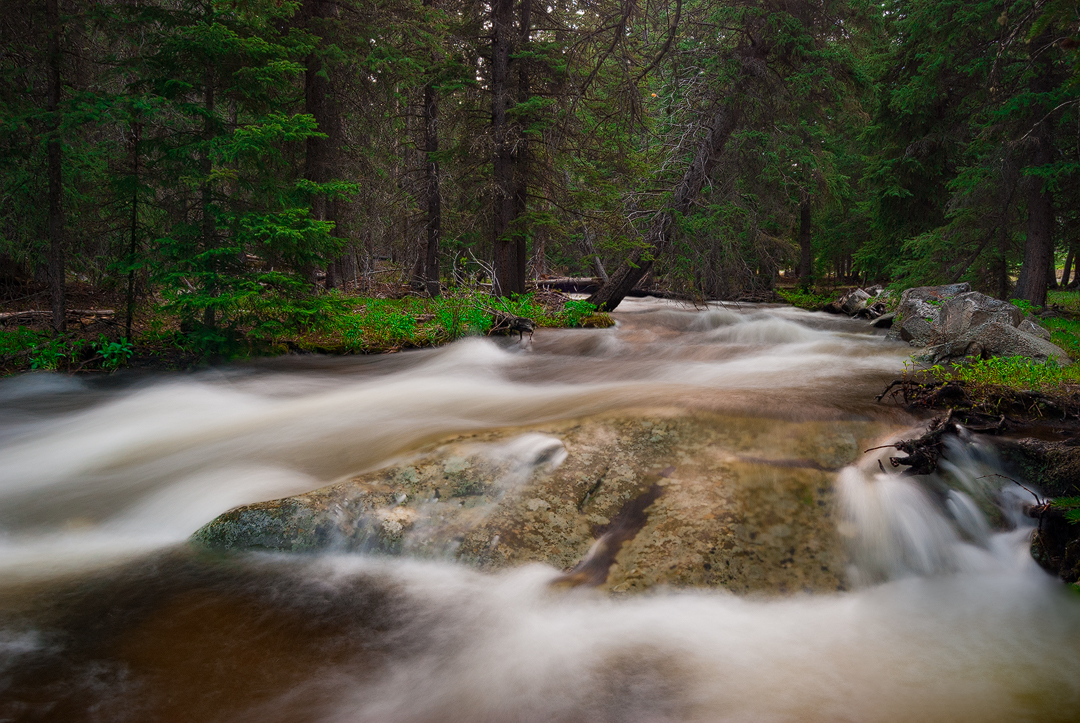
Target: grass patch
(809, 300)
(388, 324)
(1065, 333)
(1067, 300)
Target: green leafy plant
(1017, 372)
(1070, 506)
(52, 355)
(22, 339)
(577, 312)
(47, 358)
(114, 354)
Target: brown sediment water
(765, 568)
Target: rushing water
(106, 615)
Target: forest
(227, 174)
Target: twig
(1038, 500)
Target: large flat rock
(696, 500)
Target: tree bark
(806, 257)
(521, 159)
(1067, 271)
(209, 225)
(433, 201)
(136, 136)
(54, 171)
(321, 154)
(1038, 247)
(725, 119)
(1003, 259)
(503, 167)
(1039, 244)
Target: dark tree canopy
(228, 161)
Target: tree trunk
(54, 172)
(806, 257)
(725, 119)
(321, 154)
(1039, 244)
(209, 226)
(503, 168)
(521, 159)
(136, 133)
(1067, 271)
(1003, 259)
(431, 186)
(1038, 247)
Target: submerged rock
(725, 501)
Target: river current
(108, 614)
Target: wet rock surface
(740, 503)
(1053, 466)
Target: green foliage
(1070, 506)
(1025, 306)
(114, 354)
(1013, 372)
(1068, 300)
(55, 353)
(380, 324)
(809, 300)
(21, 339)
(1065, 333)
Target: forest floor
(381, 320)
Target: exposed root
(985, 408)
(923, 453)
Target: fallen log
(570, 284)
(34, 314)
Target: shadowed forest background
(230, 174)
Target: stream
(783, 574)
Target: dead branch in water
(923, 453)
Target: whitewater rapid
(107, 615)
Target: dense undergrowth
(809, 299)
(332, 323)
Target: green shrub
(114, 353)
(805, 299)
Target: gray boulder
(919, 310)
(865, 303)
(970, 310)
(955, 322)
(1029, 326)
(885, 321)
(854, 302)
(998, 338)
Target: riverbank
(97, 338)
